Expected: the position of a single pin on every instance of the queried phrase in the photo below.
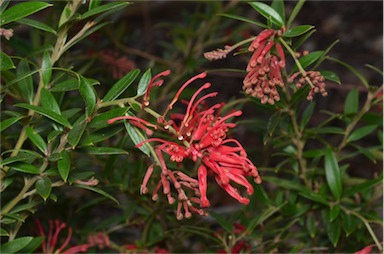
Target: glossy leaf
(25, 85)
(36, 139)
(232, 16)
(330, 75)
(43, 187)
(89, 95)
(100, 120)
(332, 173)
(47, 113)
(268, 13)
(103, 8)
(361, 132)
(64, 165)
(67, 85)
(351, 105)
(334, 230)
(307, 115)
(310, 224)
(120, 86)
(279, 7)
(65, 15)
(49, 102)
(9, 122)
(273, 122)
(309, 59)
(37, 24)
(32, 245)
(24, 168)
(15, 244)
(46, 68)
(144, 82)
(101, 192)
(295, 12)
(93, 4)
(331, 130)
(137, 136)
(334, 212)
(349, 223)
(3, 232)
(102, 135)
(6, 62)
(104, 150)
(75, 134)
(21, 10)
(297, 31)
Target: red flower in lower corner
(50, 242)
(200, 135)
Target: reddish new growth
(200, 135)
(263, 68)
(312, 78)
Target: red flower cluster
(263, 68)
(312, 78)
(200, 135)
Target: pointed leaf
(349, 223)
(311, 225)
(297, 31)
(49, 102)
(100, 120)
(232, 16)
(64, 165)
(309, 59)
(47, 113)
(15, 244)
(93, 4)
(268, 13)
(103, 8)
(353, 70)
(25, 85)
(144, 82)
(262, 217)
(32, 245)
(363, 186)
(36, 139)
(46, 68)
(294, 12)
(137, 136)
(25, 168)
(334, 212)
(5, 62)
(43, 187)
(104, 150)
(75, 134)
(120, 86)
(332, 173)
(89, 95)
(279, 7)
(362, 132)
(334, 230)
(330, 75)
(307, 115)
(225, 224)
(101, 192)
(8, 122)
(21, 10)
(3, 232)
(37, 24)
(351, 105)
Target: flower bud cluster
(218, 53)
(313, 79)
(264, 67)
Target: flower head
(198, 135)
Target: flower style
(200, 135)
(49, 243)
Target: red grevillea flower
(199, 135)
(50, 241)
(313, 79)
(264, 67)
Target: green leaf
(294, 12)
(46, 68)
(307, 115)
(297, 31)
(15, 244)
(6, 62)
(353, 70)
(25, 85)
(334, 212)
(64, 165)
(362, 132)
(8, 122)
(100, 121)
(3, 232)
(103, 8)
(37, 140)
(278, 6)
(137, 136)
(47, 113)
(101, 192)
(32, 245)
(120, 86)
(225, 224)
(310, 224)
(351, 105)
(104, 150)
(21, 10)
(144, 82)
(102, 135)
(37, 24)
(74, 135)
(262, 217)
(332, 173)
(349, 223)
(232, 16)
(363, 186)
(93, 4)
(24, 168)
(332, 130)
(330, 75)
(49, 102)
(67, 85)
(89, 95)
(309, 59)
(43, 187)
(273, 122)
(334, 230)
(268, 13)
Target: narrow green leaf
(297, 31)
(93, 4)
(46, 68)
(334, 230)
(101, 192)
(8, 122)
(307, 115)
(232, 16)
(65, 14)
(302, 39)
(32, 245)
(310, 224)
(5, 62)
(262, 217)
(15, 244)
(3, 232)
(47, 113)
(363, 186)
(279, 7)
(49, 102)
(36, 139)
(104, 150)
(25, 168)
(225, 224)
(362, 132)
(67, 85)
(268, 13)
(351, 105)
(137, 136)
(100, 120)
(120, 86)
(75, 134)
(330, 75)
(101, 135)
(144, 82)
(309, 59)
(273, 122)
(334, 212)
(43, 187)
(21, 10)
(353, 70)
(349, 223)
(25, 85)
(89, 95)
(103, 8)
(313, 153)
(64, 165)
(294, 12)
(331, 130)
(37, 24)
(332, 173)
